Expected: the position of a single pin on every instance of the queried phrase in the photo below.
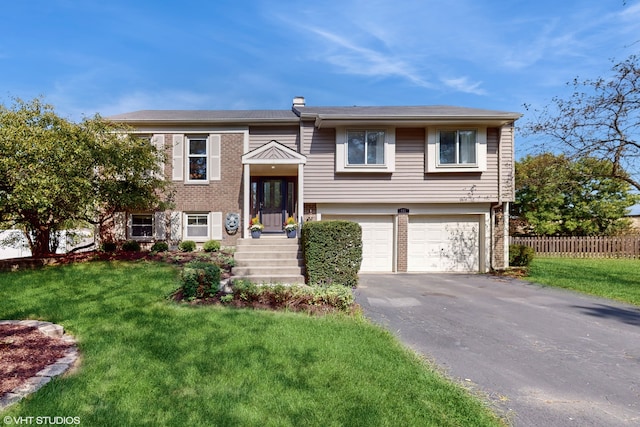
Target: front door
(272, 204)
(275, 202)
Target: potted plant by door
(290, 226)
(256, 227)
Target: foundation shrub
(200, 279)
(187, 246)
(211, 246)
(332, 252)
(109, 246)
(520, 255)
(160, 247)
(131, 246)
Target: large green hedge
(332, 252)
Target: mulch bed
(25, 351)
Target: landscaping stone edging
(41, 378)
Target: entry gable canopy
(273, 152)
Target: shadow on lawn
(628, 316)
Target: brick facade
(223, 196)
(403, 233)
(498, 262)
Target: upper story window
(457, 147)
(196, 159)
(365, 150)
(197, 162)
(365, 147)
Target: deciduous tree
(55, 173)
(601, 119)
(558, 196)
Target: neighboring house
(428, 185)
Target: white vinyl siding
(443, 244)
(260, 135)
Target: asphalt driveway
(541, 356)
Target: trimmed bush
(131, 246)
(211, 246)
(332, 252)
(200, 279)
(295, 298)
(160, 247)
(187, 246)
(520, 255)
(108, 246)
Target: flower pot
(255, 234)
(291, 234)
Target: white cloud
(462, 84)
(354, 59)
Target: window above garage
(368, 150)
(456, 150)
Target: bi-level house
(430, 185)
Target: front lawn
(617, 279)
(147, 361)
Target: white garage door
(377, 241)
(441, 244)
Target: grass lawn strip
(147, 361)
(609, 278)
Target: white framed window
(457, 147)
(365, 150)
(197, 226)
(141, 226)
(197, 159)
(456, 150)
(365, 147)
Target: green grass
(617, 279)
(146, 361)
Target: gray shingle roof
(196, 116)
(417, 112)
(321, 113)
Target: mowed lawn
(617, 279)
(147, 361)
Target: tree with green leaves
(600, 119)
(559, 196)
(55, 173)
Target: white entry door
(443, 243)
(377, 241)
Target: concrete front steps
(269, 259)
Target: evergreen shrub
(332, 252)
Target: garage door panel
(443, 244)
(377, 241)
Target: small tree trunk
(40, 247)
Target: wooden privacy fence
(582, 247)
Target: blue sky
(115, 56)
